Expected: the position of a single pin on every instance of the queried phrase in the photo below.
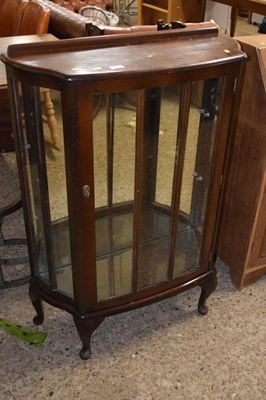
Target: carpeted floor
(163, 351)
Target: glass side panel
(199, 153)
(57, 191)
(46, 183)
(31, 169)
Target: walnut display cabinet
(126, 213)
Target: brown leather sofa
(66, 24)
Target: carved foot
(202, 308)
(37, 304)
(85, 328)
(84, 353)
(207, 285)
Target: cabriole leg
(85, 328)
(208, 286)
(37, 304)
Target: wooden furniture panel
(242, 240)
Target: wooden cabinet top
(106, 57)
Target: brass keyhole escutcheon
(86, 191)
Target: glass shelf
(115, 253)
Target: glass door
(153, 158)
